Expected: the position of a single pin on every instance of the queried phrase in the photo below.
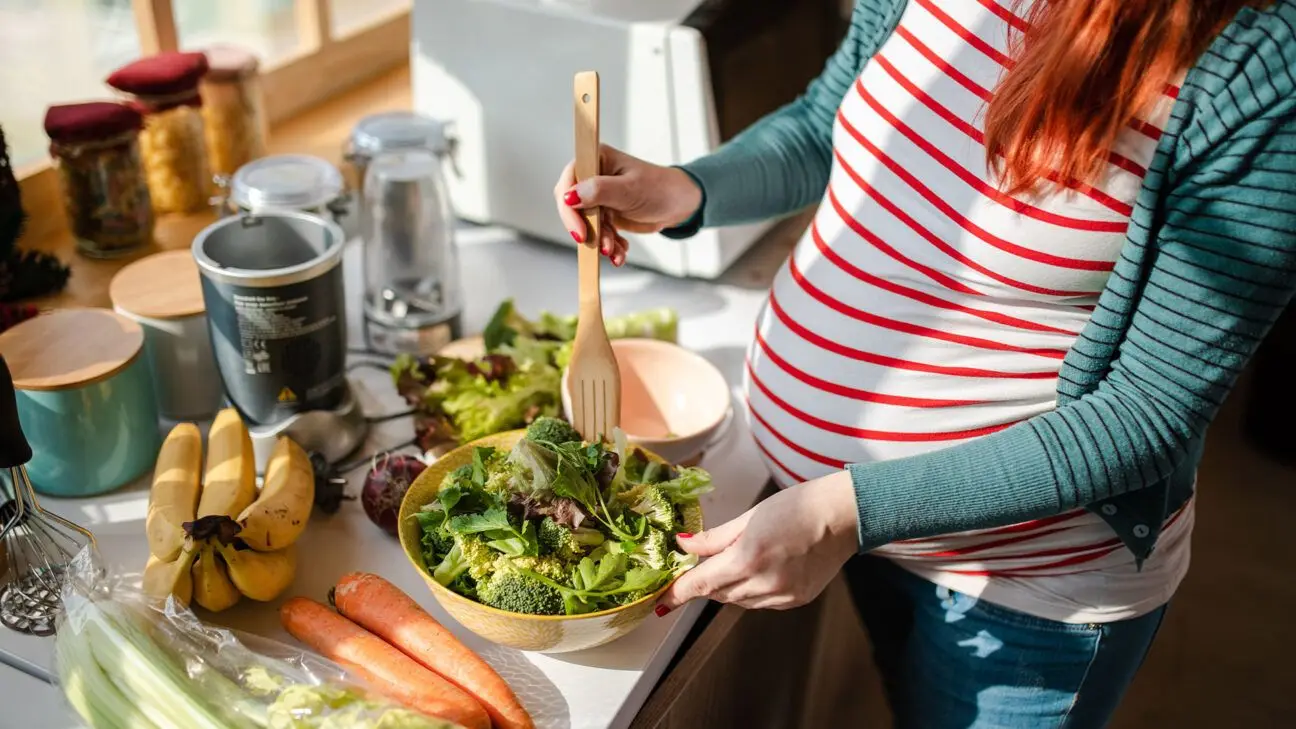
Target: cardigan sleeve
(1209, 267)
(781, 163)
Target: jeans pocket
(958, 603)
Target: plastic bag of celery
(125, 661)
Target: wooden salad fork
(593, 378)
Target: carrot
(387, 671)
(380, 606)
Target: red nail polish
(576, 236)
(684, 535)
(571, 198)
(661, 610)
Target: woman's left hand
(779, 555)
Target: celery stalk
(95, 699)
(146, 675)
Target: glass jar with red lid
(164, 88)
(95, 146)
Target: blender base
(334, 434)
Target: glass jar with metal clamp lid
(287, 182)
(392, 130)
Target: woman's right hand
(635, 195)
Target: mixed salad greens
(557, 526)
(516, 381)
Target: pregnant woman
(1049, 236)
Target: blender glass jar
(412, 295)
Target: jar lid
(286, 181)
(398, 130)
(90, 121)
(69, 348)
(167, 73)
(161, 286)
(228, 62)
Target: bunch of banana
(212, 538)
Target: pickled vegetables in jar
(164, 88)
(95, 147)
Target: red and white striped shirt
(924, 307)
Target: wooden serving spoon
(594, 380)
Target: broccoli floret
(519, 593)
(652, 551)
(653, 504)
(550, 567)
(500, 481)
(481, 558)
(468, 555)
(690, 520)
(552, 430)
(559, 541)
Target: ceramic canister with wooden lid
(85, 400)
(163, 293)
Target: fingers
(612, 244)
(712, 577)
(619, 250)
(607, 191)
(714, 541)
(571, 219)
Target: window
(54, 51)
(268, 28)
(58, 51)
(350, 15)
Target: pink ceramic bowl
(673, 402)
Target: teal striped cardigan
(1208, 265)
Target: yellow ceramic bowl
(543, 633)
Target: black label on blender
(281, 350)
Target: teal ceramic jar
(85, 400)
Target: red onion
(385, 486)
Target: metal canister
(272, 285)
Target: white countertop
(595, 689)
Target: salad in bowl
(553, 526)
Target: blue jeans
(950, 661)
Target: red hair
(1083, 69)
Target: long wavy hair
(1082, 71)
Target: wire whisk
(36, 545)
